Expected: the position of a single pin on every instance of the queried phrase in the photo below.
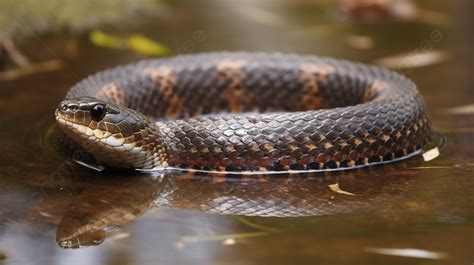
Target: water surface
(413, 212)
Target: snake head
(115, 135)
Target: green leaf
(103, 39)
(146, 46)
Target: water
(412, 212)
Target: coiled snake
(236, 111)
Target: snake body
(237, 111)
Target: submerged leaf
(119, 236)
(146, 46)
(407, 252)
(185, 239)
(434, 167)
(228, 239)
(257, 226)
(228, 242)
(466, 109)
(413, 59)
(262, 16)
(360, 42)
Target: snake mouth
(61, 118)
(71, 121)
(63, 122)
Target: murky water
(412, 212)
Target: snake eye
(97, 112)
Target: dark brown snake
(246, 112)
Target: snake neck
(147, 151)
(150, 150)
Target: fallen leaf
(431, 154)
(119, 236)
(434, 167)
(146, 46)
(465, 109)
(413, 59)
(257, 226)
(196, 239)
(360, 42)
(102, 39)
(406, 252)
(228, 242)
(136, 43)
(335, 188)
(262, 16)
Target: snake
(245, 112)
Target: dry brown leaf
(335, 188)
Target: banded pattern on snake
(238, 111)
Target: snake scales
(236, 111)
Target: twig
(48, 66)
(17, 57)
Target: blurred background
(418, 212)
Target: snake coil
(237, 111)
